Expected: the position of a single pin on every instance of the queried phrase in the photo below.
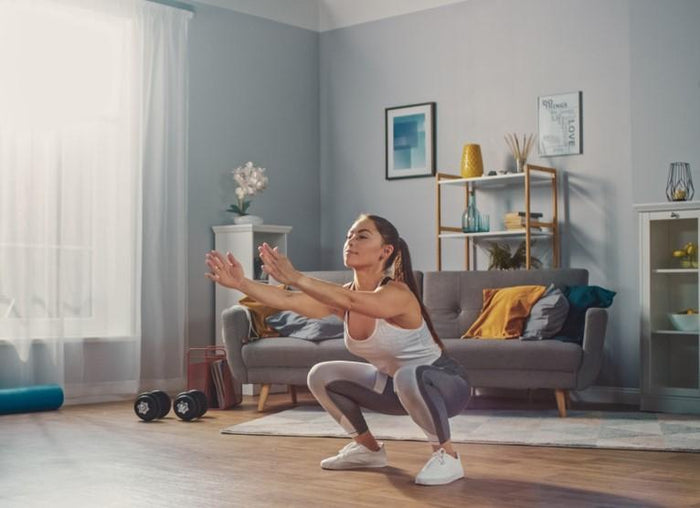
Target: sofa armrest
(593, 342)
(235, 331)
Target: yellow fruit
(691, 249)
(678, 253)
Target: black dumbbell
(151, 405)
(190, 405)
(203, 403)
(164, 401)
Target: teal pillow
(582, 298)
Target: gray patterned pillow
(291, 324)
(547, 315)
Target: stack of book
(517, 220)
(223, 384)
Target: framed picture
(559, 124)
(410, 141)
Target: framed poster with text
(559, 124)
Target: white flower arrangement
(251, 180)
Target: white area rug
(587, 429)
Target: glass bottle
(470, 217)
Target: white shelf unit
(533, 175)
(670, 359)
(242, 241)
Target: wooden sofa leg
(293, 393)
(264, 392)
(561, 396)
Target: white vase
(247, 219)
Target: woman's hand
(226, 271)
(278, 265)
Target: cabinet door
(670, 354)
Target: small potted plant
(250, 180)
(503, 259)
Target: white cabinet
(242, 241)
(670, 358)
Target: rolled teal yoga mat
(31, 398)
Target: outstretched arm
(390, 301)
(228, 272)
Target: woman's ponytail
(400, 262)
(403, 271)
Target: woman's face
(364, 246)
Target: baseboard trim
(95, 393)
(172, 385)
(608, 395)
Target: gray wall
(485, 62)
(253, 96)
(665, 93)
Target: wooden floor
(102, 455)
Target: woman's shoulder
(393, 283)
(398, 287)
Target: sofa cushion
(454, 300)
(581, 298)
(547, 315)
(291, 324)
(504, 312)
(291, 352)
(548, 355)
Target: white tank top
(389, 347)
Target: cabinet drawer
(674, 214)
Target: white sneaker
(354, 456)
(441, 469)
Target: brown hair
(400, 259)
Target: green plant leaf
(500, 256)
(239, 210)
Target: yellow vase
(472, 164)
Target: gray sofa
(454, 300)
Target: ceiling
(324, 15)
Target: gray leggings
(430, 394)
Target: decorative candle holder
(680, 184)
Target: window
(69, 172)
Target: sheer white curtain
(92, 124)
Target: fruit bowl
(685, 322)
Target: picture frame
(559, 120)
(410, 141)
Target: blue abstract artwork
(409, 142)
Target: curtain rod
(175, 4)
